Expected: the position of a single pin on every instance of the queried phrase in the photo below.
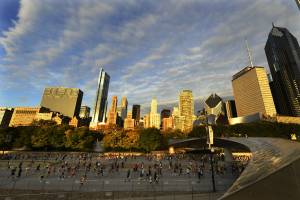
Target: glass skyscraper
(283, 55)
(101, 97)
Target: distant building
(112, 114)
(66, 101)
(136, 112)
(214, 105)
(24, 116)
(79, 122)
(178, 121)
(100, 107)
(186, 109)
(154, 116)
(165, 113)
(147, 121)
(47, 116)
(5, 116)
(167, 123)
(230, 109)
(124, 107)
(252, 92)
(84, 112)
(129, 122)
(60, 119)
(283, 55)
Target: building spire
(249, 53)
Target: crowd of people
(149, 168)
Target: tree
(150, 139)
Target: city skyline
(200, 64)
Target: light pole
(211, 149)
(212, 169)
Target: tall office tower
(124, 105)
(177, 119)
(214, 105)
(129, 122)
(230, 109)
(165, 113)
(252, 92)
(283, 55)
(112, 114)
(99, 112)
(136, 112)
(84, 112)
(147, 121)
(154, 116)
(167, 123)
(66, 101)
(186, 109)
(5, 116)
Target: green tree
(150, 139)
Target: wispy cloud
(149, 48)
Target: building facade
(23, 116)
(84, 112)
(252, 92)
(136, 112)
(99, 112)
(124, 107)
(283, 55)
(230, 109)
(165, 113)
(167, 123)
(129, 122)
(66, 101)
(5, 116)
(112, 114)
(154, 116)
(186, 109)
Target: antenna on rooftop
(249, 53)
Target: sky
(150, 48)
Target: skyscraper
(283, 55)
(186, 109)
(154, 116)
(101, 98)
(112, 114)
(84, 112)
(252, 92)
(124, 105)
(136, 112)
(230, 109)
(165, 113)
(66, 101)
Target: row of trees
(46, 135)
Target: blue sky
(150, 48)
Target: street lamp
(212, 169)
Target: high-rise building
(129, 122)
(186, 109)
(5, 116)
(84, 112)
(100, 107)
(167, 123)
(147, 121)
(230, 109)
(136, 112)
(252, 92)
(112, 114)
(283, 55)
(154, 116)
(66, 101)
(165, 113)
(124, 105)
